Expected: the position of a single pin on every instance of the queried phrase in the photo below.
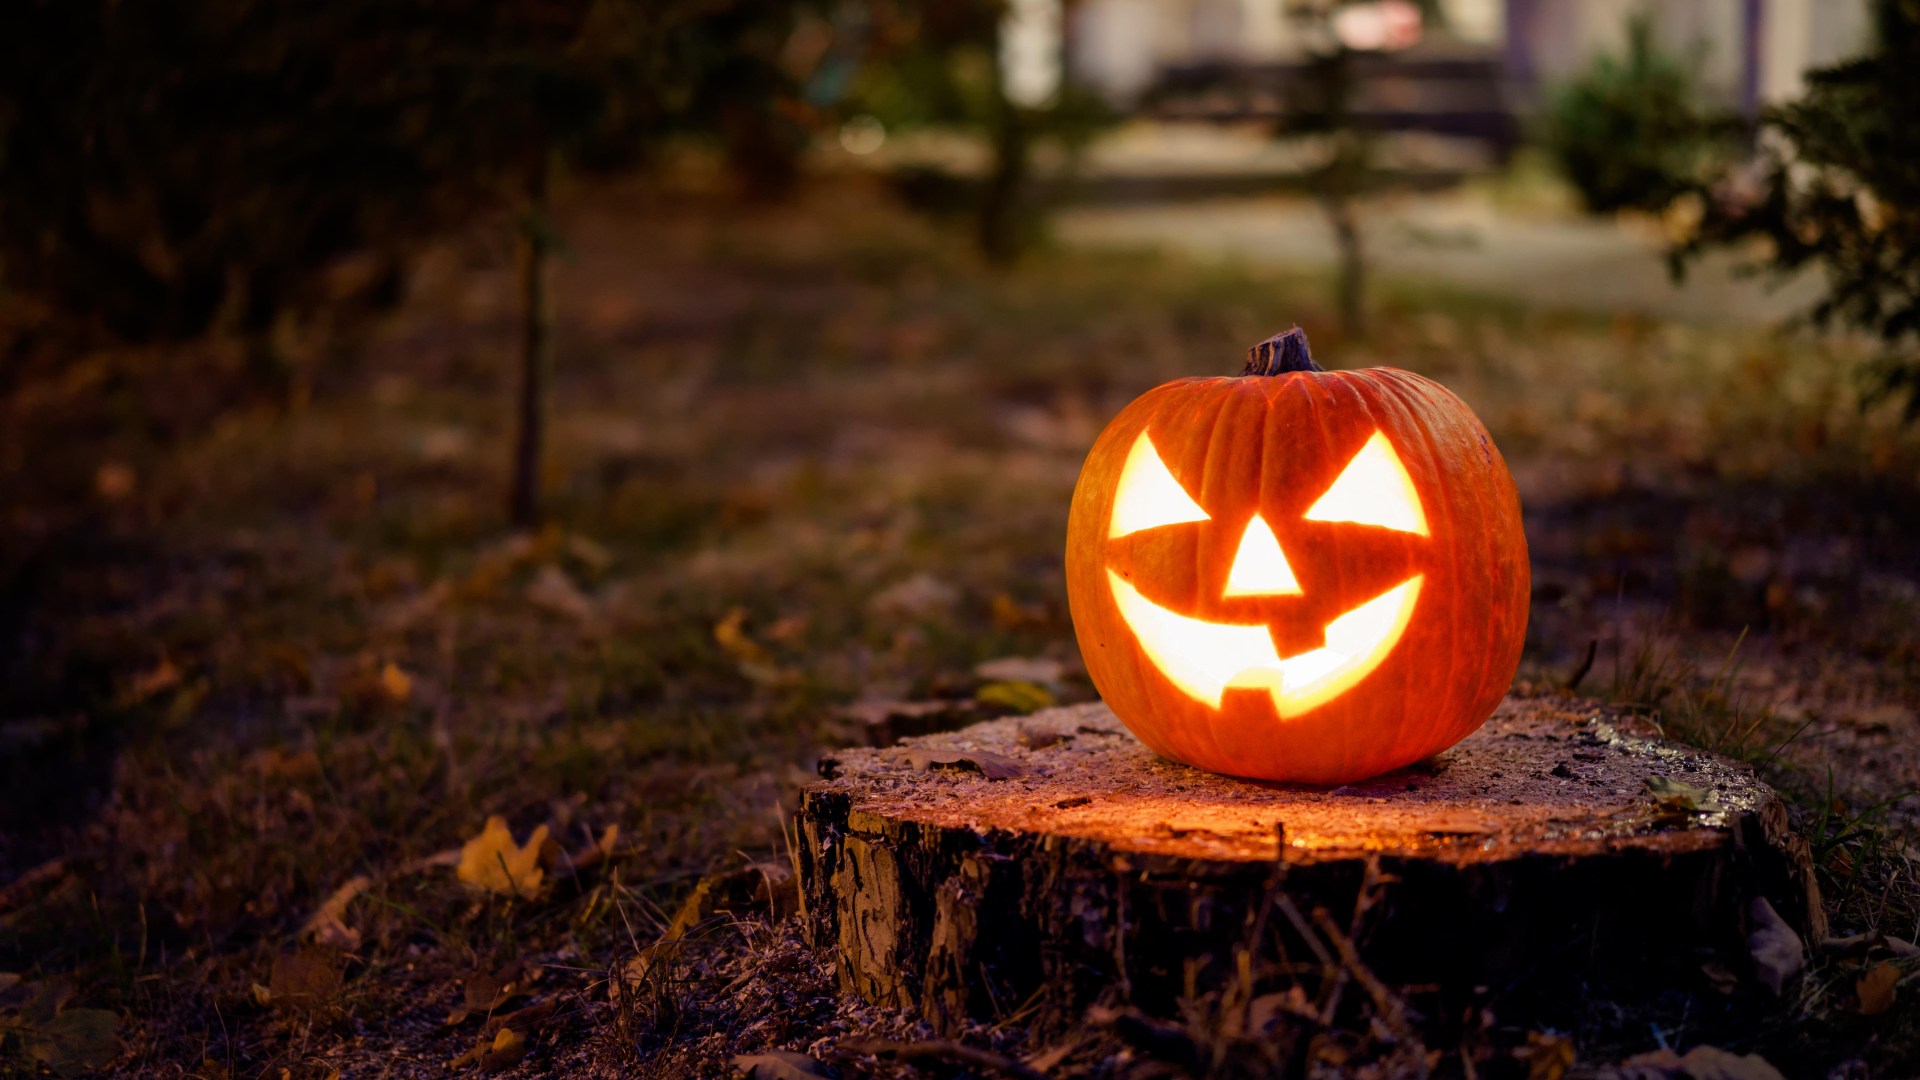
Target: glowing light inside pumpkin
(1148, 496)
(1374, 489)
(1203, 658)
(1260, 568)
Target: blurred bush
(934, 64)
(1837, 187)
(1632, 132)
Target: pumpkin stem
(1280, 354)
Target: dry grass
(801, 456)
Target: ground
(268, 646)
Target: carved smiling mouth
(1203, 659)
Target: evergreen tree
(1837, 187)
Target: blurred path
(1462, 239)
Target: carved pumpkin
(1298, 574)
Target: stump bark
(1041, 864)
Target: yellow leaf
(1017, 695)
(1549, 1056)
(509, 1046)
(1876, 988)
(395, 685)
(730, 632)
(492, 861)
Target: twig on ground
(942, 1050)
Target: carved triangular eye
(1148, 496)
(1374, 489)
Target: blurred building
(1749, 52)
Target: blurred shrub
(933, 64)
(1838, 187)
(170, 167)
(1631, 132)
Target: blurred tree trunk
(536, 349)
(1338, 189)
(1343, 178)
(1002, 219)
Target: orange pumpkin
(1298, 574)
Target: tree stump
(1048, 862)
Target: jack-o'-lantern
(1298, 574)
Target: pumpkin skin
(1276, 445)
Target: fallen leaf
(1700, 1063)
(395, 685)
(780, 1065)
(600, 851)
(306, 978)
(552, 590)
(990, 765)
(509, 1046)
(1777, 952)
(445, 444)
(327, 925)
(1876, 989)
(1011, 614)
(1549, 1055)
(152, 682)
(1038, 738)
(730, 632)
(492, 861)
(1032, 669)
(503, 1051)
(1016, 695)
(590, 554)
(1679, 797)
(74, 1041)
(114, 481)
(918, 597)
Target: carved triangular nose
(1260, 567)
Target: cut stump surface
(1054, 859)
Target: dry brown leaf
(1777, 952)
(114, 481)
(779, 1065)
(552, 590)
(152, 682)
(306, 978)
(327, 925)
(74, 1041)
(1700, 1063)
(921, 596)
(1876, 989)
(589, 553)
(1032, 669)
(485, 992)
(990, 765)
(492, 860)
(395, 685)
(1011, 614)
